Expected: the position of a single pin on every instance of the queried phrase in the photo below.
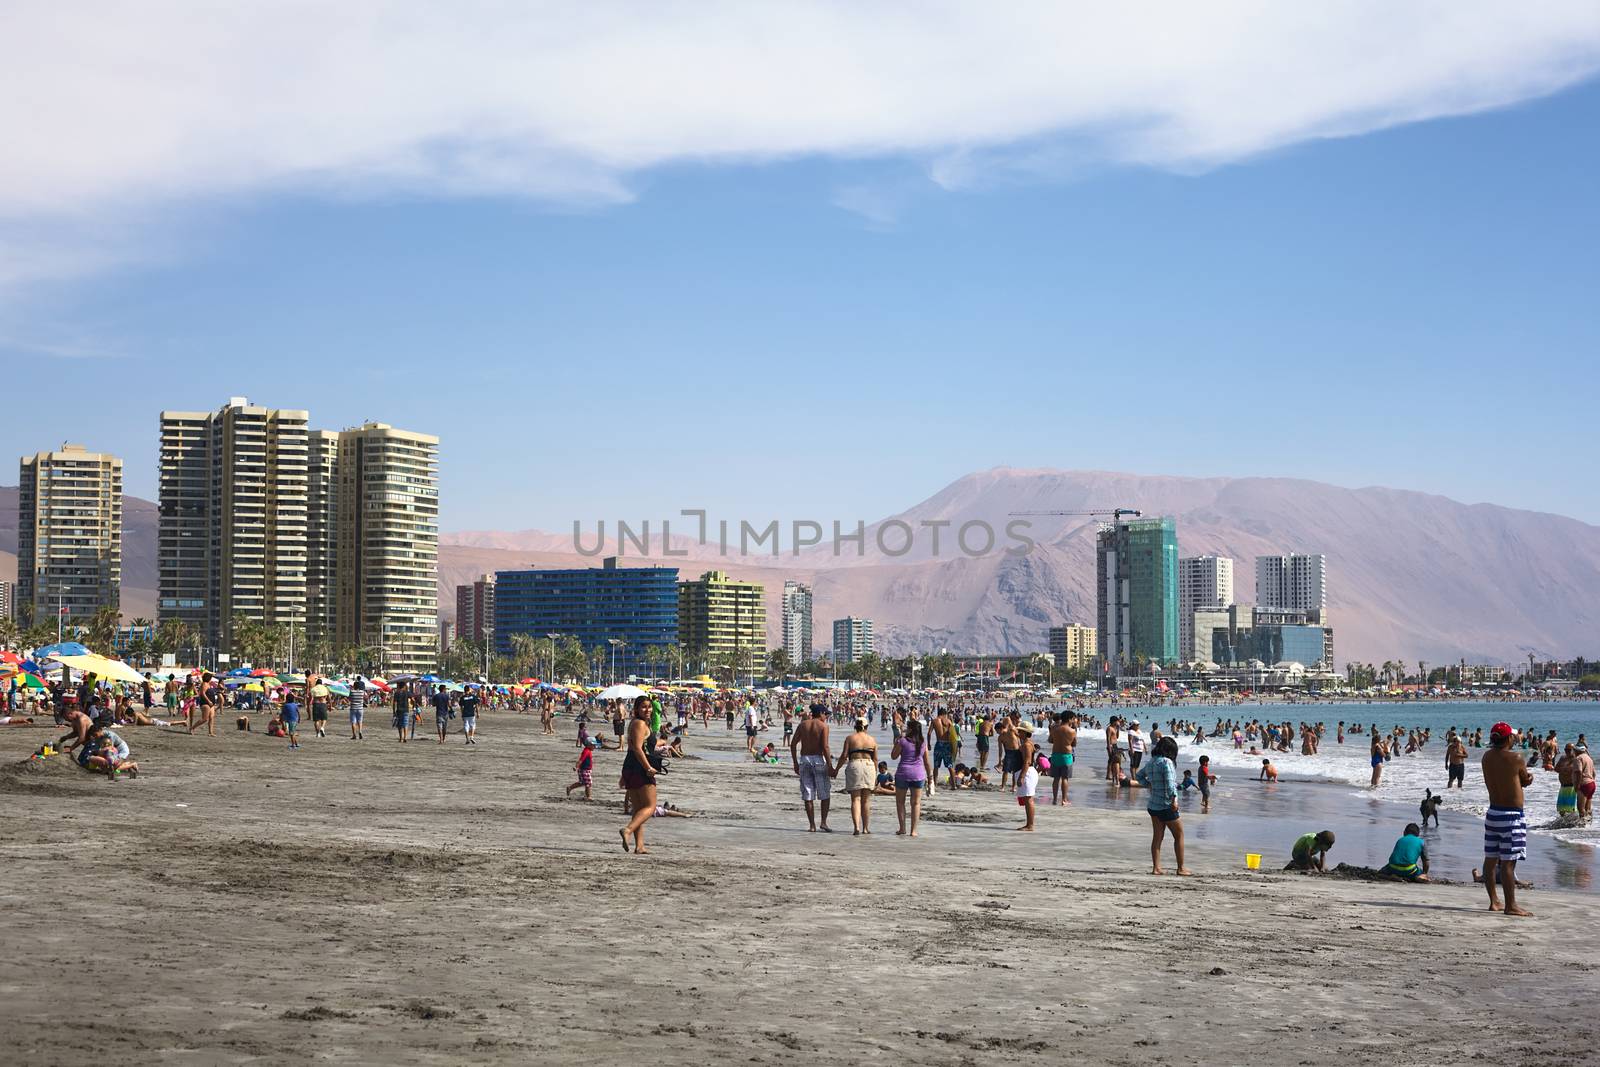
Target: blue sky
(836, 335)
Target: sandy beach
(372, 902)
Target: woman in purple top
(911, 775)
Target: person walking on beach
(944, 749)
(752, 726)
(858, 758)
(1063, 741)
(1378, 754)
(984, 730)
(358, 709)
(1505, 827)
(910, 776)
(1135, 747)
(638, 775)
(1160, 776)
(402, 709)
(205, 706)
(441, 712)
(585, 769)
(1027, 781)
(469, 716)
(808, 752)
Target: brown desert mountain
(1410, 576)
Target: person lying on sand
(669, 811)
(16, 720)
(1477, 876)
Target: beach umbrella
(621, 692)
(263, 672)
(398, 678)
(65, 648)
(238, 672)
(338, 689)
(112, 670)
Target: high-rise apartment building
(852, 639)
(797, 621)
(635, 606)
(475, 609)
(337, 532)
(1204, 583)
(387, 545)
(8, 600)
(1136, 594)
(233, 525)
(322, 550)
(720, 617)
(69, 535)
(1293, 583)
(1074, 647)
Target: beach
(372, 902)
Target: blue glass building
(636, 605)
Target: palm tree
(524, 654)
(778, 664)
(101, 633)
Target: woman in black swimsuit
(638, 776)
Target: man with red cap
(1505, 827)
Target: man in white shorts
(808, 750)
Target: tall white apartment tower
(1204, 583)
(69, 535)
(797, 621)
(1292, 583)
(232, 541)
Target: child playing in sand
(585, 769)
(1310, 852)
(885, 781)
(1409, 859)
(1269, 773)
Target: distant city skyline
(589, 304)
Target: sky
(817, 260)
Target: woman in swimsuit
(911, 775)
(638, 775)
(859, 759)
(1377, 759)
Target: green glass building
(1136, 573)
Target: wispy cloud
(124, 109)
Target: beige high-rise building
(720, 617)
(69, 535)
(321, 542)
(1073, 647)
(233, 518)
(386, 545)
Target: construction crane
(1115, 513)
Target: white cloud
(118, 109)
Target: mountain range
(1411, 575)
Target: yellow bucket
(1252, 860)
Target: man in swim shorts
(1063, 743)
(1505, 827)
(1583, 779)
(808, 751)
(944, 750)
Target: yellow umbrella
(112, 670)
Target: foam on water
(1405, 778)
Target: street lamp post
(552, 637)
(613, 642)
(61, 608)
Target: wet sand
(371, 902)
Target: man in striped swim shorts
(1505, 827)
